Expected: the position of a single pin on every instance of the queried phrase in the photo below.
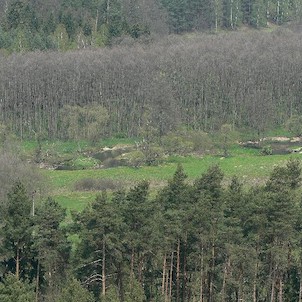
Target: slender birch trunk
(164, 275)
(18, 263)
(104, 269)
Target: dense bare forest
(246, 79)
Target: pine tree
(99, 252)
(14, 290)
(17, 227)
(51, 244)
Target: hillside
(27, 25)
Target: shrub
(97, 184)
(177, 144)
(267, 150)
(135, 158)
(185, 142)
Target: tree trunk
(164, 275)
(18, 263)
(255, 282)
(107, 11)
(37, 281)
(120, 282)
(132, 264)
(300, 290)
(140, 269)
(273, 287)
(212, 273)
(178, 272)
(171, 276)
(201, 276)
(280, 290)
(184, 292)
(104, 270)
(167, 286)
(240, 288)
(224, 281)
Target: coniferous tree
(17, 228)
(100, 249)
(51, 245)
(12, 290)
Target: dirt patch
(278, 144)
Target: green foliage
(267, 150)
(84, 122)
(17, 230)
(73, 291)
(135, 158)
(102, 22)
(82, 162)
(186, 142)
(14, 290)
(124, 243)
(135, 292)
(148, 153)
(285, 178)
(177, 144)
(50, 241)
(294, 125)
(111, 295)
(226, 137)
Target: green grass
(247, 164)
(74, 200)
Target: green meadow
(247, 164)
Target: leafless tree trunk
(104, 268)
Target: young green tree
(226, 137)
(73, 291)
(12, 290)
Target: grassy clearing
(247, 164)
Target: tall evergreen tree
(51, 245)
(16, 232)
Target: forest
(250, 80)
(27, 25)
(199, 241)
(189, 203)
